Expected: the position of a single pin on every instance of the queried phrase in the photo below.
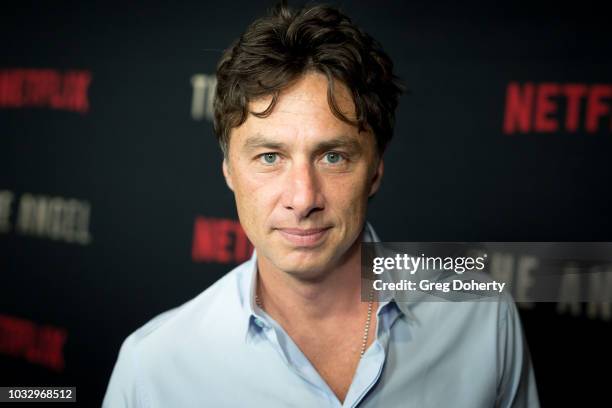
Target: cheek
(255, 197)
(348, 195)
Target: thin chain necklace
(366, 330)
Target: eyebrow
(260, 141)
(255, 142)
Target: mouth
(304, 237)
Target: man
(304, 109)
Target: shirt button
(259, 323)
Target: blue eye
(269, 158)
(333, 157)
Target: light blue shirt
(220, 350)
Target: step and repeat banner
(113, 207)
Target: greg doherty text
(429, 286)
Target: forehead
(302, 114)
(310, 92)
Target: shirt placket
(372, 363)
(295, 360)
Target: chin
(304, 265)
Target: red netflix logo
(536, 108)
(37, 344)
(219, 240)
(45, 88)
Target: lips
(304, 237)
(302, 232)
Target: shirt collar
(403, 307)
(254, 317)
(246, 286)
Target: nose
(302, 194)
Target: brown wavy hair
(279, 48)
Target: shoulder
(192, 319)
(157, 348)
(479, 326)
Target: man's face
(302, 177)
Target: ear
(377, 177)
(227, 174)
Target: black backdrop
(113, 207)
